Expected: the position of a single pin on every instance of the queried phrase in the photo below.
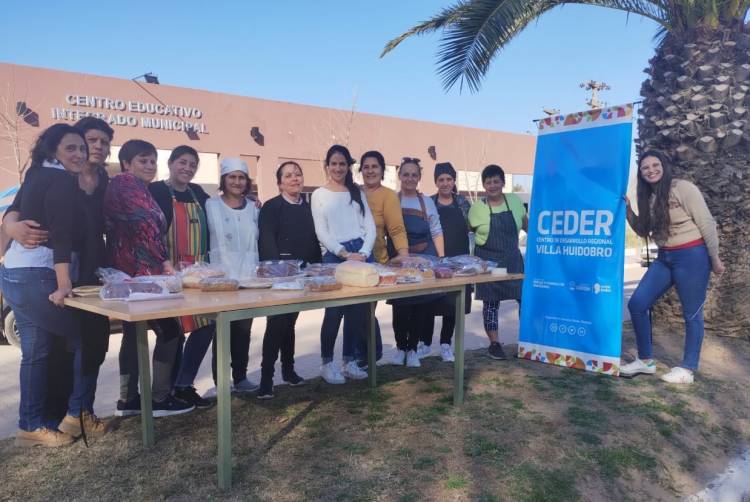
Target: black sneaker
(171, 406)
(496, 352)
(190, 396)
(291, 377)
(128, 408)
(266, 388)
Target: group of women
(67, 205)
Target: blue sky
(327, 52)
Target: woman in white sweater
(233, 230)
(346, 231)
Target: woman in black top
(285, 232)
(36, 281)
(453, 209)
(92, 183)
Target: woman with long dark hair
(36, 281)
(673, 213)
(286, 232)
(345, 228)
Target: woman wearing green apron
(184, 206)
(412, 316)
(453, 209)
(496, 220)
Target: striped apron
(501, 247)
(187, 242)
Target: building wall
(222, 125)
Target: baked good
(323, 283)
(87, 291)
(443, 272)
(278, 268)
(320, 269)
(173, 283)
(194, 274)
(357, 274)
(387, 278)
(122, 290)
(219, 284)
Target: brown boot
(93, 425)
(43, 437)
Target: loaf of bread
(357, 274)
(219, 284)
(323, 283)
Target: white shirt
(234, 237)
(339, 219)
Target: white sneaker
(678, 375)
(412, 360)
(399, 358)
(331, 374)
(210, 393)
(446, 353)
(638, 366)
(423, 350)
(354, 372)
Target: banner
(572, 300)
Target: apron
(417, 224)
(187, 243)
(456, 238)
(501, 247)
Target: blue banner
(575, 251)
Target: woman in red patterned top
(136, 240)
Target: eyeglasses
(410, 160)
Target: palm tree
(696, 104)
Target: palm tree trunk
(696, 109)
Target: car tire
(9, 329)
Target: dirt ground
(528, 431)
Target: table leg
(144, 376)
(224, 404)
(458, 365)
(371, 344)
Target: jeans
(279, 337)
(39, 323)
(688, 270)
(189, 360)
(354, 317)
(168, 334)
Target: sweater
(286, 231)
(386, 213)
(689, 218)
(339, 219)
(49, 196)
(479, 215)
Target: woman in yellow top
(496, 221)
(389, 222)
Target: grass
(527, 431)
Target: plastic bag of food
(442, 272)
(173, 283)
(289, 285)
(419, 262)
(279, 268)
(320, 269)
(194, 273)
(322, 283)
(219, 284)
(107, 275)
(408, 276)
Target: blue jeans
(688, 270)
(354, 317)
(27, 291)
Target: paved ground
(307, 353)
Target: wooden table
(225, 307)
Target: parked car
(8, 330)
(648, 254)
